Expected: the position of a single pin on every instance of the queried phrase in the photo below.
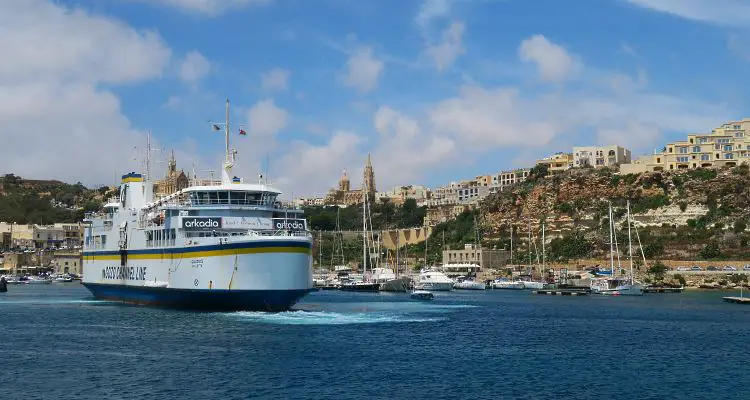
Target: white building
(600, 156)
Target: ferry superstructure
(225, 246)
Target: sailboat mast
(398, 237)
(630, 244)
(364, 228)
(226, 131)
(611, 245)
(511, 244)
(529, 223)
(543, 254)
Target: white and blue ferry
(226, 245)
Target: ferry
(224, 246)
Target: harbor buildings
(600, 156)
(34, 236)
(473, 259)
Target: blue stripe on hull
(197, 299)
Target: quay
(663, 289)
(562, 292)
(737, 300)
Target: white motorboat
(630, 289)
(38, 280)
(422, 295)
(533, 285)
(508, 285)
(469, 284)
(434, 280)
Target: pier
(562, 292)
(663, 289)
(737, 300)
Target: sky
(435, 90)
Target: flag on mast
(242, 132)
(216, 127)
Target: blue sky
(436, 90)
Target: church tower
(344, 184)
(172, 166)
(369, 177)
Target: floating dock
(737, 300)
(559, 292)
(663, 289)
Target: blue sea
(57, 342)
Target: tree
(653, 249)
(680, 279)
(711, 250)
(574, 246)
(739, 226)
(658, 269)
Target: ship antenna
(148, 155)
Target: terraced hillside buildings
(726, 146)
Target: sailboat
(602, 285)
(531, 283)
(366, 285)
(388, 279)
(632, 288)
(468, 282)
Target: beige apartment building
(506, 178)
(557, 162)
(600, 156)
(727, 145)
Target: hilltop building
(557, 162)
(399, 194)
(726, 146)
(600, 156)
(344, 195)
(173, 182)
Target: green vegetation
(657, 270)
(570, 247)
(28, 201)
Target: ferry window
(223, 197)
(237, 197)
(253, 198)
(213, 198)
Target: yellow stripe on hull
(201, 254)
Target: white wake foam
(327, 318)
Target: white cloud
(720, 12)
(446, 52)
(432, 9)
(553, 61)
(53, 107)
(207, 7)
(362, 70)
(266, 119)
(313, 169)
(194, 67)
(497, 117)
(275, 79)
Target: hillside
(45, 201)
(687, 215)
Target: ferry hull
(199, 299)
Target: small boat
(508, 285)
(422, 295)
(63, 279)
(631, 289)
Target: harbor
(483, 334)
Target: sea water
(57, 342)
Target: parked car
(683, 269)
(696, 268)
(730, 268)
(746, 268)
(712, 268)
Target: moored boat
(507, 285)
(434, 280)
